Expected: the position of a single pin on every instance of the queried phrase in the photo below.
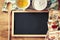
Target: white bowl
(24, 7)
(39, 4)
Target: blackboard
(29, 23)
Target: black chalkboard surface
(29, 23)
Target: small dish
(39, 5)
(22, 4)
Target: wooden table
(4, 26)
(4, 29)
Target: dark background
(30, 23)
(59, 4)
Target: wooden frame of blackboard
(19, 35)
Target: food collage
(30, 20)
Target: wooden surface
(4, 26)
(3, 23)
